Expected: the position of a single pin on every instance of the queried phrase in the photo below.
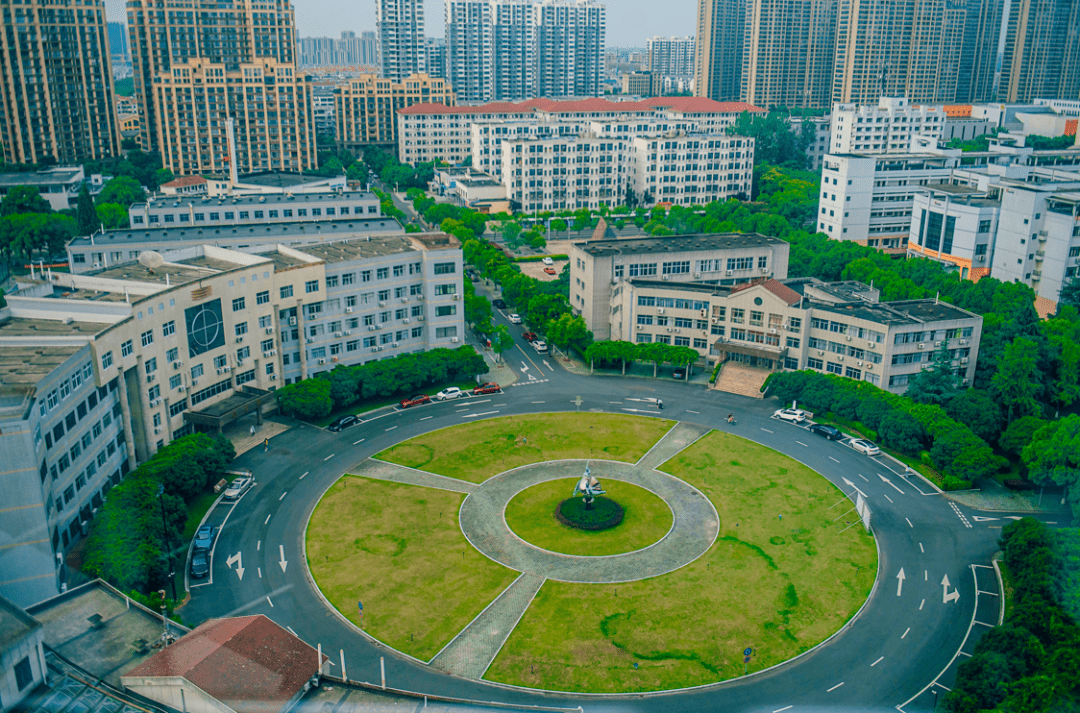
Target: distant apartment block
(346, 51)
(671, 56)
(644, 83)
(436, 57)
(56, 87)
(203, 211)
(366, 107)
(885, 127)
(400, 37)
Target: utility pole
(168, 542)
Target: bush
(538, 258)
(950, 482)
(306, 400)
(605, 514)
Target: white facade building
(671, 56)
(885, 128)
(399, 32)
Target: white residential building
(691, 169)
(671, 56)
(399, 31)
(885, 128)
(570, 47)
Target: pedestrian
(253, 430)
(266, 445)
(660, 404)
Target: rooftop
(280, 179)
(40, 178)
(596, 105)
(268, 199)
(676, 243)
(913, 312)
(264, 233)
(184, 181)
(779, 289)
(15, 624)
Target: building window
(106, 360)
(238, 304)
(24, 676)
(263, 297)
(311, 286)
(286, 291)
(147, 338)
(445, 268)
(168, 328)
(442, 332)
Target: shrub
(951, 482)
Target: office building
(399, 32)
(644, 83)
(237, 137)
(719, 52)
(230, 38)
(98, 371)
(436, 57)
(56, 90)
(787, 57)
(885, 127)
(346, 51)
(671, 56)
(366, 107)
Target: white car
(548, 261)
(540, 347)
(864, 446)
(452, 392)
(793, 415)
(237, 488)
(514, 318)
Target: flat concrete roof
(281, 179)
(14, 623)
(702, 286)
(258, 233)
(39, 178)
(359, 248)
(913, 312)
(254, 201)
(176, 273)
(676, 243)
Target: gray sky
(629, 22)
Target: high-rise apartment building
(346, 51)
(56, 92)
(885, 127)
(118, 42)
(509, 50)
(366, 107)
(399, 30)
(671, 56)
(436, 57)
(718, 55)
(167, 34)
(787, 57)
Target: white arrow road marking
(531, 377)
(283, 563)
(545, 363)
(946, 596)
(524, 367)
(1013, 517)
(239, 564)
(900, 581)
(978, 518)
(856, 489)
(891, 483)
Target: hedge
(538, 258)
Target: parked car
(514, 318)
(540, 347)
(529, 336)
(548, 261)
(864, 446)
(200, 565)
(550, 271)
(238, 487)
(415, 400)
(449, 393)
(341, 423)
(204, 537)
(678, 374)
(793, 415)
(498, 304)
(489, 388)
(473, 277)
(831, 432)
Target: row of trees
(129, 542)
(612, 352)
(344, 386)
(1030, 663)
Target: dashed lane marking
(835, 687)
(329, 457)
(863, 477)
(833, 459)
(529, 383)
(391, 428)
(802, 444)
(909, 523)
(921, 604)
(282, 496)
(267, 521)
(426, 418)
(778, 710)
(689, 411)
(905, 632)
(766, 430)
(878, 661)
(921, 548)
(356, 443)
(271, 603)
(308, 471)
(887, 497)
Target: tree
(308, 399)
(86, 218)
(122, 190)
(1070, 294)
(502, 341)
(569, 331)
(113, 216)
(978, 411)
(542, 309)
(510, 231)
(1019, 434)
(901, 431)
(24, 234)
(478, 312)
(1053, 456)
(936, 384)
(24, 199)
(1017, 383)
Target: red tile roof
(779, 289)
(185, 181)
(594, 105)
(491, 108)
(694, 105)
(249, 663)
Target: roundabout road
(900, 652)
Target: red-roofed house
(244, 664)
(185, 186)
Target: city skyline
(627, 25)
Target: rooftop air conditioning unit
(406, 321)
(150, 377)
(239, 340)
(181, 387)
(665, 277)
(371, 328)
(194, 382)
(821, 352)
(772, 330)
(177, 364)
(220, 370)
(454, 340)
(404, 299)
(697, 275)
(157, 430)
(922, 346)
(848, 337)
(338, 334)
(937, 344)
(229, 368)
(348, 310)
(394, 345)
(980, 258)
(374, 349)
(420, 318)
(858, 363)
(292, 321)
(273, 377)
(869, 345)
(419, 297)
(839, 357)
(963, 341)
(764, 271)
(660, 311)
(382, 304)
(457, 297)
(347, 332)
(310, 340)
(963, 360)
(716, 320)
(269, 330)
(729, 272)
(322, 361)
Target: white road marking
(921, 604)
(238, 558)
(426, 418)
(833, 459)
(613, 402)
(260, 572)
(783, 709)
(853, 485)
(978, 518)
(877, 662)
(481, 401)
(355, 443)
(887, 497)
(802, 444)
(689, 411)
(308, 471)
(909, 523)
(921, 548)
(283, 563)
(960, 515)
(292, 632)
(946, 595)
(905, 632)
(282, 497)
(900, 581)
(271, 603)
(863, 477)
(331, 456)
(391, 428)
(767, 431)
(267, 521)
(258, 546)
(473, 415)
(835, 687)
(891, 483)
(538, 402)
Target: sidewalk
(239, 431)
(994, 496)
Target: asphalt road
(901, 651)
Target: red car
(529, 336)
(550, 271)
(489, 388)
(415, 400)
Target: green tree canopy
(86, 218)
(113, 216)
(122, 190)
(936, 384)
(306, 400)
(24, 199)
(1053, 456)
(1017, 382)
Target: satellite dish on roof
(151, 259)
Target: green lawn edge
(398, 548)
(646, 519)
(476, 451)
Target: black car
(499, 304)
(200, 565)
(204, 537)
(342, 422)
(831, 432)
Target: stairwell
(736, 378)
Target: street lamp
(168, 543)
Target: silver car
(237, 488)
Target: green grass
(479, 450)
(372, 404)
(780, 586)
(646, 519)
(399, 550)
